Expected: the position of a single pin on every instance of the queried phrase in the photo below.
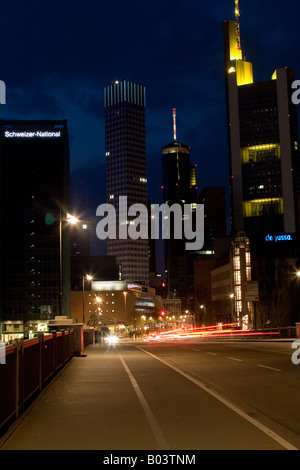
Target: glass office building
(263, 146)
(126, 171)
(34, 239)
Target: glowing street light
(72, 219)
(125, 302)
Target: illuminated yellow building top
(244, 72)
(235, 53)
(242, 69)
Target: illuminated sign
(278, 238)
(134, 286)
(109, 286)
(26, 134)
(252, 291)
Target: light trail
(215, 331)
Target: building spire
(237, 10)
(237, 28)
(174, 124)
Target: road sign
(252, 291)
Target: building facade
(34, 234)
(126, 172)
(263, 143)
(264, 178)
(111, 302)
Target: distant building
(114, 302)
(126, 170)
(213, 199)
(231, 279)
(34, 192)
(172, 307)
(179, 186)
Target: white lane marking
(212, 354)
(234, 359)
(287, 445)
(267, 367)
(159, 436)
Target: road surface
(168, 396)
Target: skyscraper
(34, 191)
(126, 170)
(264, 181)
(179, 186)
(263, 144)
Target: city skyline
(178, 70)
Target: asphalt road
(172, 396)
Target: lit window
(256, 207)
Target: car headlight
(112, 339)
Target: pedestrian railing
(28, 366)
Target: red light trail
(215, 331)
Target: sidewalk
(88, 406)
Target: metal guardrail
(29, 365)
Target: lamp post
(88, 278)
(231, 296)
(125, 303)
(203, 307)
(72, 220)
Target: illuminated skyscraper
(263, 145)
(35, 193)
(126, 170)
(179, 186)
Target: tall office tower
(263, 145)
(34, 239)
(179, 186)
(126, 172)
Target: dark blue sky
(57, 57)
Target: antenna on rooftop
(237, 27)
(174, 124)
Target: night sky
(57, 57)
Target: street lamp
(203, 307)
(99, 300)
(71, 220)
(125, 303)
(88, 277)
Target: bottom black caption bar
(106, 459)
